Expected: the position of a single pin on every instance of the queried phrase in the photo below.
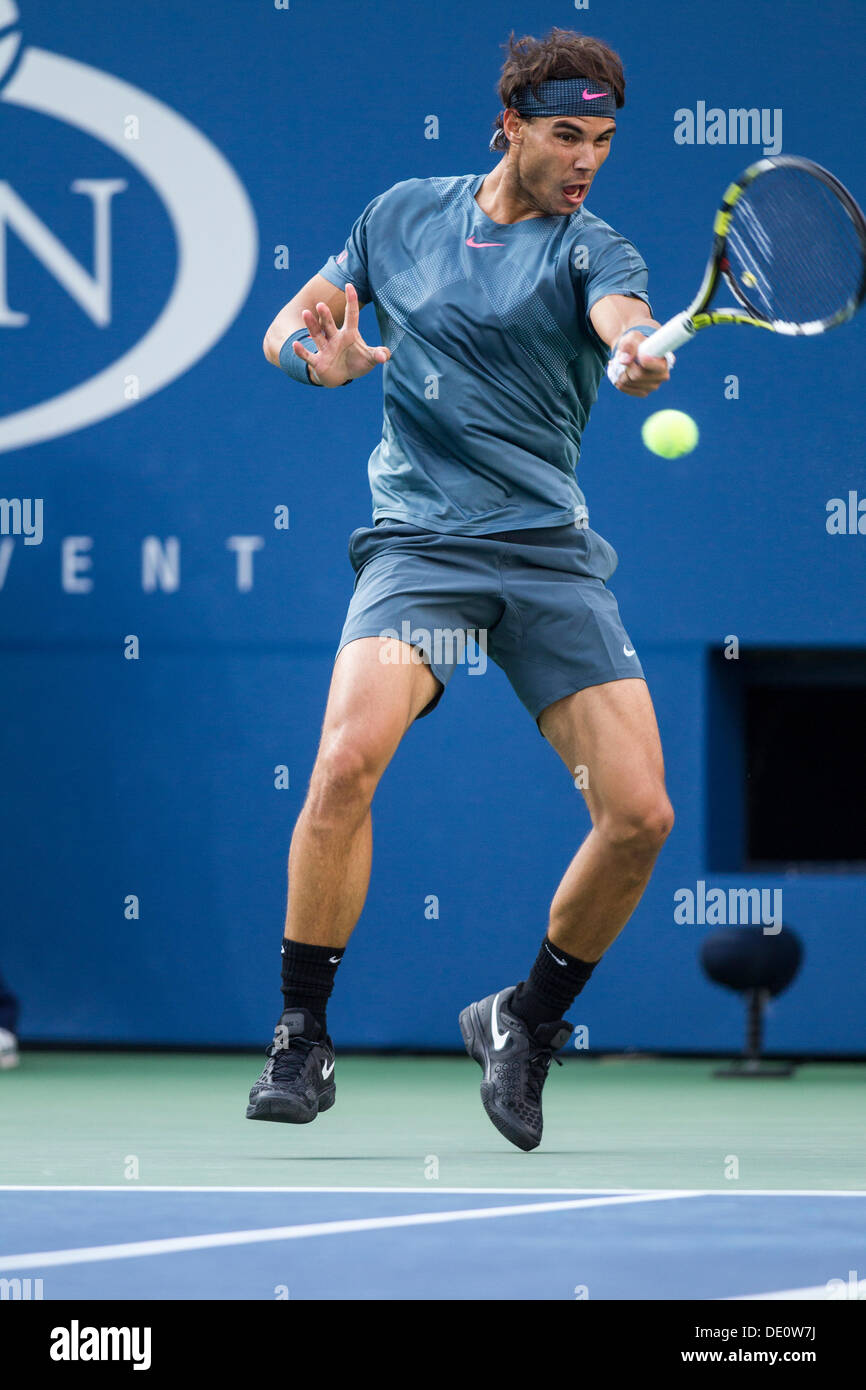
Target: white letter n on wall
(92, 293)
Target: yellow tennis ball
(669, 433)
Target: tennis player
(500, 298)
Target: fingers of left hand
(326, 319)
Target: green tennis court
(639, 1122)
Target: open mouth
(575, 192)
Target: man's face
(558, 157)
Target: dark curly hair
(561, 53)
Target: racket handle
(678, 330)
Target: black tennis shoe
(298, 1080)
(515, 1063)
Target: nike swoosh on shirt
(470, 241)
(628, 651)
(593, 96)
(327, 1068)
(499, 1039)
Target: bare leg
(611, 730)
(376, 693)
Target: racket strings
(794, 249)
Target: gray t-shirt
(494, 362)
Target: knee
(343, 781)
(641, 828)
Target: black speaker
(759, 965)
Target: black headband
(565, 96)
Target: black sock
(308, 977)
(553, 984)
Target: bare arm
(610, 317)
(289, 320)
(330, 316)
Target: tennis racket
(790, 244)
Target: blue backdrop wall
(185, 145)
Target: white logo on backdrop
(210, 213)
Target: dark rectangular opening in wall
(806, 770)
(787, 759)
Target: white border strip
(45, 1259)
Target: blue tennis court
(143, 1244)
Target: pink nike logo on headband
(592, 96)
(470, 241)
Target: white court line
(817, 1293)
(728, 1191)
(44, 1259)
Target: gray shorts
(535, 601)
